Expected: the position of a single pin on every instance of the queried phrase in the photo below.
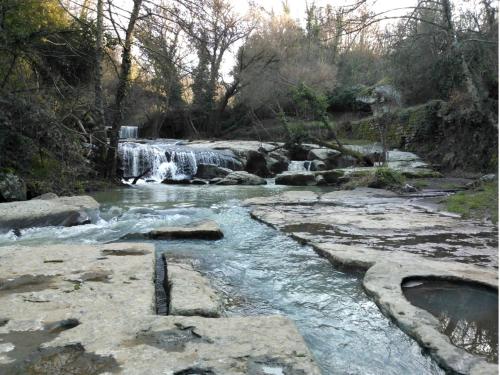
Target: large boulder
(332, 176)
(209, 171)
(323, 154)
(64, 211)
(318, 165)
(296, 179)
(276, 166)
(242, 178)
(257, 164)
(172, 181)
(344, 161)
(12, 188)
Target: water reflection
(467, 313)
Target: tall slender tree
(100, 120)
(122, 90)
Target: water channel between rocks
(258, 270)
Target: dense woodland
(72, 72)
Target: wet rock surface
(209, 171)
(206, 230)
(395, 238)
(190, 292)
(94, 314)
(64, 211)
(296, 179)
(241, 178)
(380, 220)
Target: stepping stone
(206, 230)
(190, 292)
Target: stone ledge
(64, 211)
(190, 292)
(207, 230)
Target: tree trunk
(100, 120)
(122, 90)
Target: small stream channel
(259, 271)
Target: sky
(297, 10)
(389, 8)
(298, 7)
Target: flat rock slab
(64, 211)
(84, 309)
(380, 220)
(206, 230)
(190, 292)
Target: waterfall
(168, 160)
(128, 132)
(299, 166)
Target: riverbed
(258, 270)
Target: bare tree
(213, 27)
(122, 88)
(100, 120)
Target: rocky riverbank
(48, 210)
(83, 310)
(394, 238)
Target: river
(258, 270)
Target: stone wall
(441, 133)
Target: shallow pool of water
(467, 313)
(259, 271)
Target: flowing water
(169, 159)
(299, 166)
(259, 271)
(129, 132)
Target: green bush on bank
(379, 178)
(387, 178)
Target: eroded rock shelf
(91, 308)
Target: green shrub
(309, 102)
(386, 178)
(344, 98)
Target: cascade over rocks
(248, 162)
